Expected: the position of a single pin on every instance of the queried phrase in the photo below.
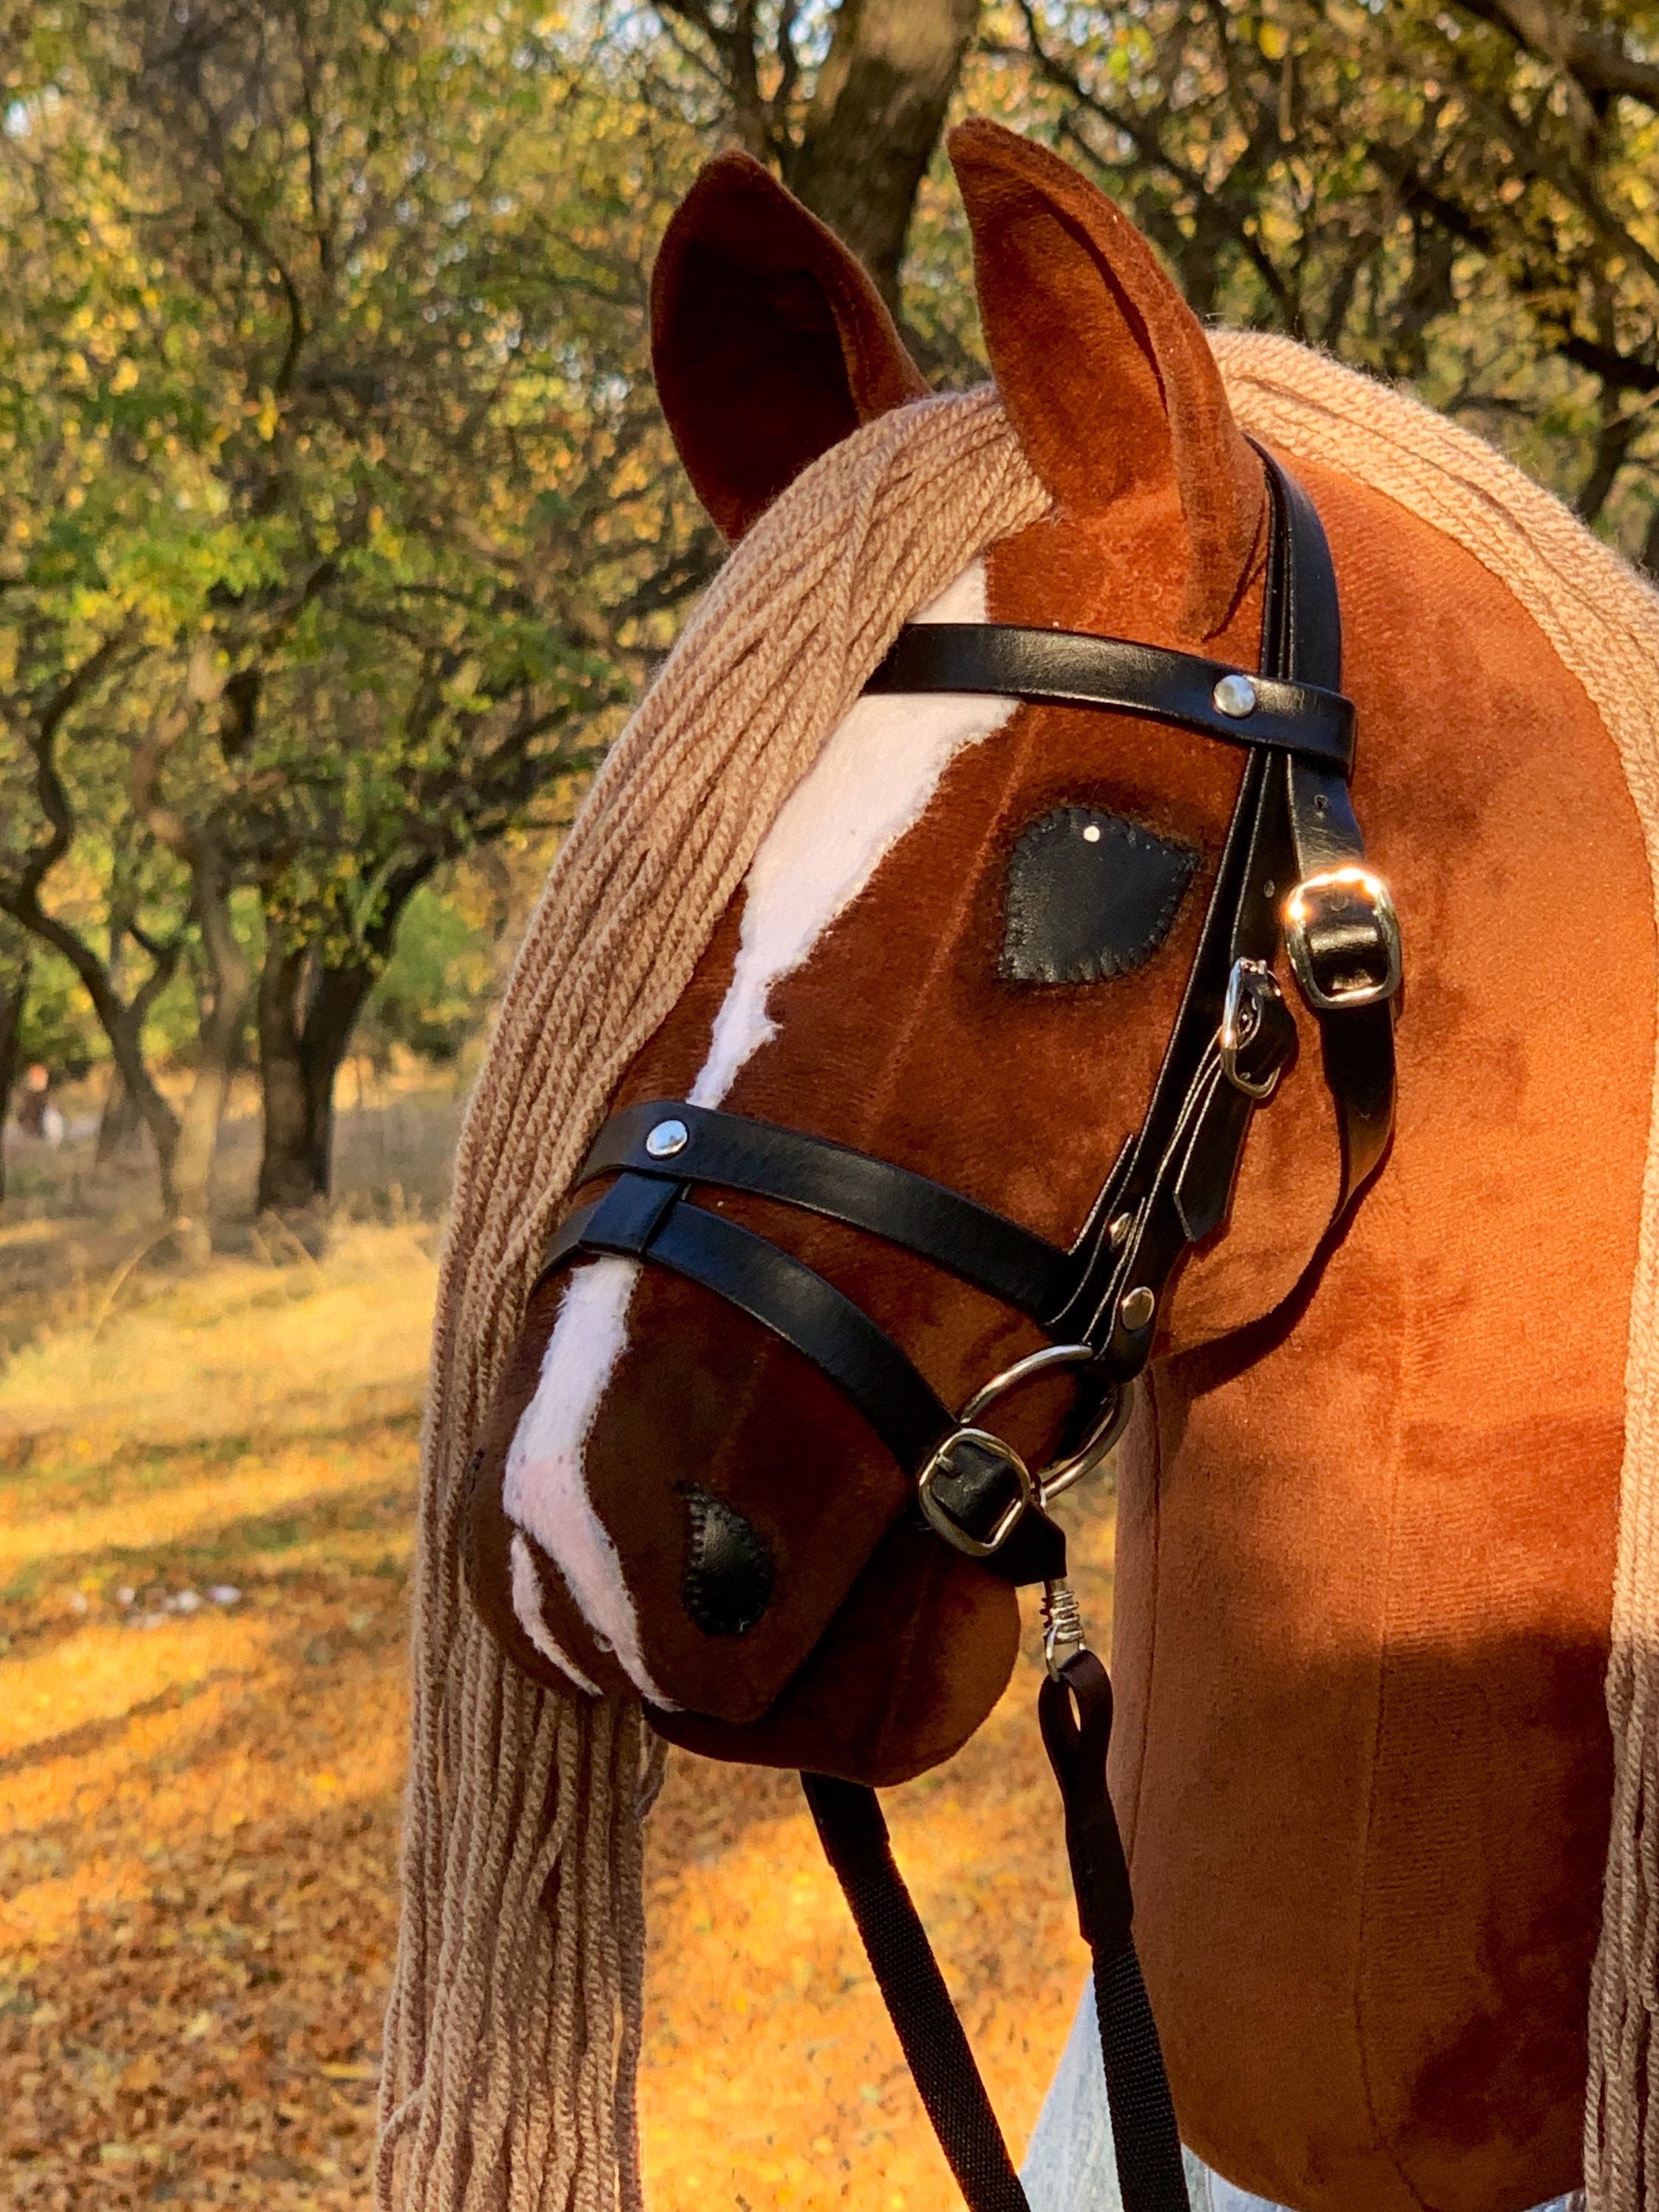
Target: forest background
(337, 527)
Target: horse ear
(769, 342)
(1103, 370)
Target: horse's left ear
(1103, 368)
(769, 342)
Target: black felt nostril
(728, 1569)
(1091, 896)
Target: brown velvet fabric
(1365, 1557)
(1365, 1579)
(1101, 365)
(769, 341)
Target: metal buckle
(1050, 1482)
(945, 1523)
(1249, 984)
(1354, 886)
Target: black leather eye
(728, 1569)
(1091, 896)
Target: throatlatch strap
(854, 1839)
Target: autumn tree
(389, 263)
(1461, 197)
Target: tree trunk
(121, 1022)
(875, 119)
(286, 1185)
(125, 1044)
(13, 995)
(307, 1013)
(118, 1124)
(223, 1014)
(307, 1016)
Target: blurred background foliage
(337, 525)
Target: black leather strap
(648, 1221)
(644, 1218)
(1302, 628)
(938, 1224)
(1068, 668)
(850, 1827)
(1145, 2138)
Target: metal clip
(1253, 1000)
(1368, 937)
(1062, 1626)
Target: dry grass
(198, 1826)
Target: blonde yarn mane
(513, 2035)
(514, 2023)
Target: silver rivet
(1235, 695)
(667, 1139)
(1118, 1230)
(1136, 1307)
(1092, 834)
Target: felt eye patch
(1090, 896)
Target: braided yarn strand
(513, 2029)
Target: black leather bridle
(1291, 873)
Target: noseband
(1291, 873)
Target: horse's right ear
(769, 342)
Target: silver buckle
(944, 1522)
(1050, 1482)
(1358, 887)
(1248, 983)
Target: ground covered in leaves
(206, 1496)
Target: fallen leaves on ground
(201, 1743)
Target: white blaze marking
(872, 782)
(527, 1604)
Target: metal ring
(1034, 1362)
(1061, 1474)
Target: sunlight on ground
(206, 1496)
(206, 1501)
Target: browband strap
(1067, 668)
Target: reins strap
(854, 1837)
(1145, 2137)
(1074, 1708)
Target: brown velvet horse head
(1368, 1521)
(872, 984)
